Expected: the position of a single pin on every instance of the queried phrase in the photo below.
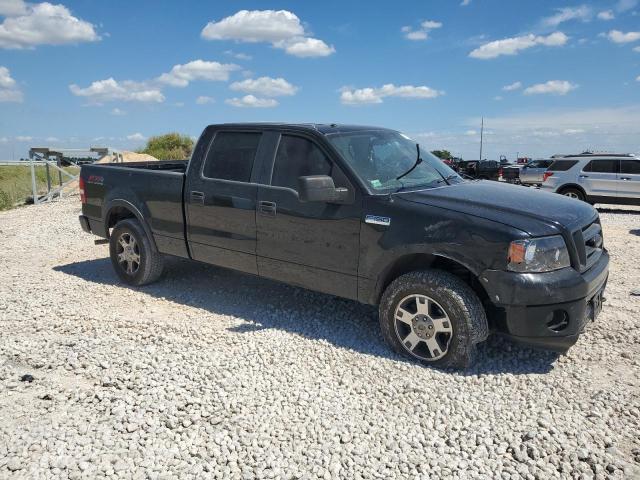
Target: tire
(573, 193)
(450, 303)
(149, 264)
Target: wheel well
(421, 261)
(572, 186)
(116, 214)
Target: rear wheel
(132, 256)
(573, 193)
(434, 317)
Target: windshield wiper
(417, 162)
(447, 178)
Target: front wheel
(132, 256)
(434, 317)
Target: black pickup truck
(362, 213)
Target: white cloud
(566, 14)
(118, 112)
(470, 133)
(421, 33)
(281, 28)
(464, 3)
(624, 5)
(513, 86)
(616, 36)
(512, 46)
(638, 78)
(136, 137)
(606, 15)
(9, 91)
(252, 102)
(265, 87)
(24, 138)
(52, 139)
(362, 96)
(498, 98)
(12, 8)
(110, 90)
(29, 25)
(238, 55)
(553, 87)
(204, 100)
(181, 75)
(636, 49)
(305, 47)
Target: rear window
(231, 156)
(562, 165)
(601, 166)
(630, 166)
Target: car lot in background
(596, 178)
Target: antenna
(481, 136)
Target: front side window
(231, 156)
(298, 157)
(630, 166)
(562, 165)
(602, 166)
(379, 157)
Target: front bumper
(548, 310)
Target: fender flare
(120, 202)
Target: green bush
(171, 146)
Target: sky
(547, 76)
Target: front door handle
(625, 178)
(197, 197)
(267, 208)
(584, 176)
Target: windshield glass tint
(380, 156)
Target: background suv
(596, 178)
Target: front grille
(588, 241)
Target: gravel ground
(214, 374)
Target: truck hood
(533, 211)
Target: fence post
(48, 177)
(33, 182)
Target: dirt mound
(126, 156)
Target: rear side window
(602, 166)
(297, 157)
(630, 166)
(562, 165)
(231, 156)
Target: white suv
(596, 178)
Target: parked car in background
(480, 169)
(596, 178)
(532, 172)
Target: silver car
(596, 178)
(532, 172)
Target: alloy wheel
(423, 327)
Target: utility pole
(481, 136)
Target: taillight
(500, 172)
(83, 196)
(546, 175)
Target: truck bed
(153, 189)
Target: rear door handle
(267, 208)
(625, 178)
(197, 197)
(584, 176)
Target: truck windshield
(380, 156)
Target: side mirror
(320, 188)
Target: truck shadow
(266, 304)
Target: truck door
(629, 179)
(220, 202)
(600, 177)
(314, 245)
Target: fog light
(559, 321)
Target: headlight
(538, 255)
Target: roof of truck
(323, 128)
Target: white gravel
(214, 374)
